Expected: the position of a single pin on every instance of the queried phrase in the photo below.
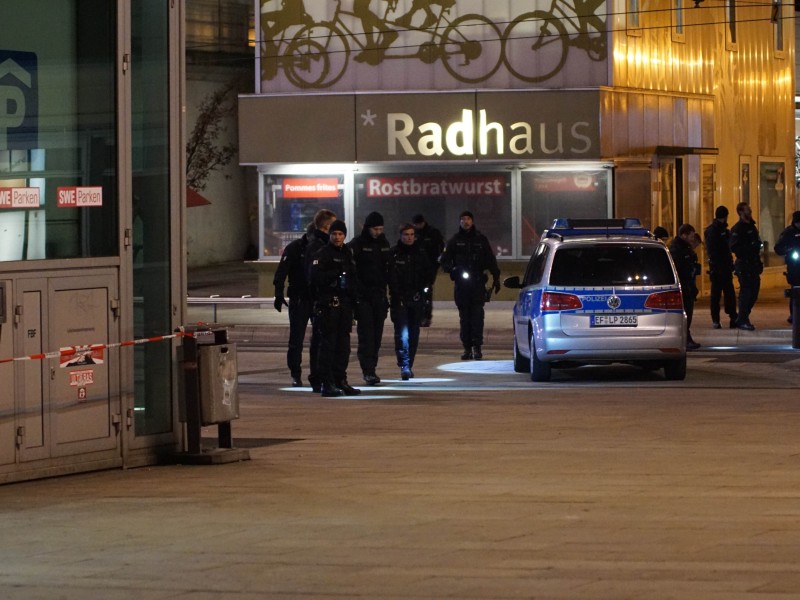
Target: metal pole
(794, 295)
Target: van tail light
(556, 301)
(665, 301)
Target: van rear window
(611, 264)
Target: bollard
(794, 295)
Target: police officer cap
(418, 219)
(466, 213)
(721, 212)
(374, 219)
(338, 225)
(795, 216)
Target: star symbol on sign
(369, 117)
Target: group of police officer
(332, 283)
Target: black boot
(348, 389)
(467, 355)
(476, 353)
(316, 386)
(331, 391)
(297, 380)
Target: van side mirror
(513, 282)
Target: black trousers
(300, 310)
(470, 298)
(333, 326)
(722, 285)
(407, 319)
(749, 286)
(370, 316)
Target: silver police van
(598, 291)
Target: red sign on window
(401, 187)
(327, 187)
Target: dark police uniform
(720, 262)
(788, 246)
(332, 274)
(746, 245)
(293, 267)
(317, 240)
(466, 257)
(412, 272)
(372, 257)
(433, 244)
(688, 268)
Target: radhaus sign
(417, 127)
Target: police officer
(292, 266)
(466, 257)
(720, 263)
(788, 246)
(433, 244)
(746, 245)
(685, 259)
(332, 274)
(318, 239)
(372, 255)
(412, 273)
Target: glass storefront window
(548, 195)
(58, 147)
(290, 203)
(772, 207)
(441, 198)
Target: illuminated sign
(399, 187)
(327, 187)
(19, 197)
(79, 197)
(19, 100)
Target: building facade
(520, 112)
(91, 234)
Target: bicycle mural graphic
(315, 53)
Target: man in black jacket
(788, 246)
(685, 259)
(433, 243)
(332, 275)
(317, 240)
(292, 266)
(746, 245)
(412, 273)
(372, 255)
(720, 263)
(467, 257)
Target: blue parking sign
(19, 100)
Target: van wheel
(521, 364)
(540, 371)
(675, 370)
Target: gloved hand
(496, 286)
(280, 302)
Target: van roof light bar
(562, 228)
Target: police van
(598, 291)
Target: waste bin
(218, 374)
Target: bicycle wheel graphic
(536, 46)
(317, 56)
(471, 48)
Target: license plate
(614, 321)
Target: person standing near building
(746, 245)
(467, 256)
(788, 246)
(292, 266)
(372, 255)
(433, 243)
(685, 259)
(317, 240)
(332, 275)
(720, 263)
(412, 273)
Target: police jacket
(316, 241)
(332, 274)
(788, 245)
(412, 272)
(686, 265)
(432, 242)
(469, 252)
(717, 237)
(293, 266)
(746, 244)
(373, 258)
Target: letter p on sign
(18, 101)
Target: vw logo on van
(613, 302)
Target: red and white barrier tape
(72, 350)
